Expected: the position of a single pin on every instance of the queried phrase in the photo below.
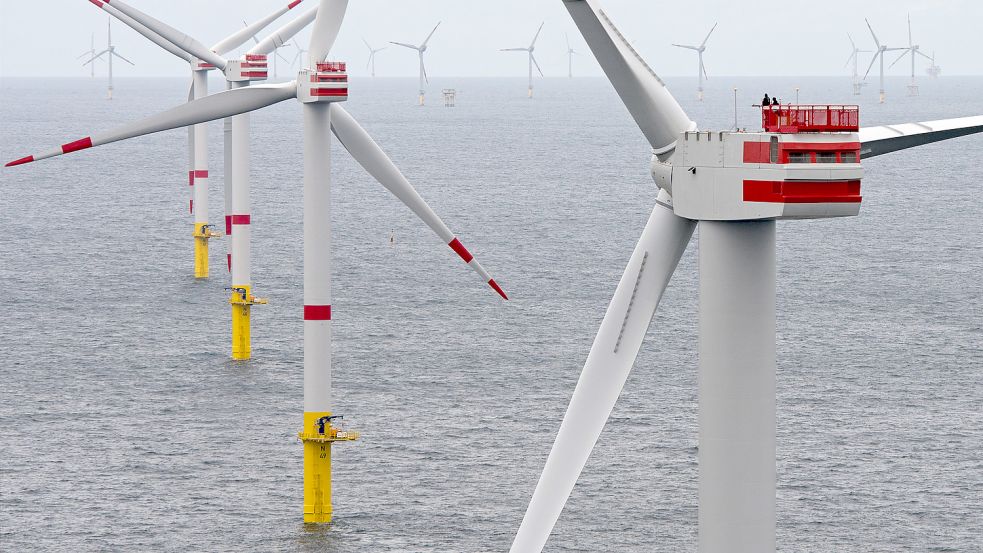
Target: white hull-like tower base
(912, 90)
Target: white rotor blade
(535, 38)
(424, 45)
(536, 63)
(236, 40)
(95, 57)
(513, 50)
(877, 42)
(410, 46)
(851, 41)
(872, 60)
(326, 27)
(686, 46)
(280, 37)
(423, 67)
(209, 108)
(122, 58)
(875, 141)
(370, 156)
(704, 43)
(146, 32)
(903, 54)
(610, 360)
(656, 112)
(179, 39)
(919, 52)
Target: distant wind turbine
(299, 56)
(913, 50)
(90, 53)
(855, 58)
(570, 54)
(879, 53)
(532, 58)
(703, 70)
(372, 53)
(420, 50)
(109, 52)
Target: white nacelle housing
(734, 176)
(328, 83)
(252, 68)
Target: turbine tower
(878, 54)
(421, 49)
(735, 199)
(110, 52)
(570, 54)
(319, 90)
(702, 70)
(532, 58)
(90, 53)
(855, 59)
(913, 50)
(372, 53)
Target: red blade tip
(20, 161)
(497, 288)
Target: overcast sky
(754, 38)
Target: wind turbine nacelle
(252, 68)
(741, 176)
(328, 82)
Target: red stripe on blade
(456, 245)
(80, 144)
(97, 3)
(229, 256)
(240, 219)
(20, 161)
(317, 312)
(191, 178)
(497, 288)
(191, 207)
(293, 4)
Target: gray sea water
(124, 425)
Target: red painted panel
(458, 247)
(80, 144)
(240, 219)
(802, 192)
(757, 152)
(201, 174)
(329, 92)
(317, 312)
(819, 146)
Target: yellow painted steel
(203, 232)
(318, 435)
(242, 301)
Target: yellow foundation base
(203, 233)
(318, 435)
(242, 301)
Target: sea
(125, 425)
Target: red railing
(810, 118)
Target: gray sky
(43, 37)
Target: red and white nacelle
(253, 67)
(328, 82)
(804, 165)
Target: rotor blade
(209, 108)
(424, 45)
(86, 53)
(146, 32)
(656, 112)
(236, 40)
(122, 58)
(903, 54)
(567, 38)
(872, 60)
(875, 141)
(179, 39)
(535, 38)
(280, 37)
(326, 27)
(877, 42)
(703, 67)
(849, 59)
(919, 52)
(610, 360)
(370, 156)
(423, 67)
(95, 57)
(246, 24)
(513, 50)
(686, 46)
(536, 63)
(367, 44)
(851, 41)
(410, 46)
(910, 43)
(704, 43)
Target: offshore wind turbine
(913, 50)
(421, 49)
(211, 58)
(90, 53)
(299, 58)
(702, 70)
(276, 55)
(238, 73)
(878, 54)
(532, 58)
(110, 52)
(725, 182)
(318, 89)
(855, 59)
(570, 54)
(372, 53)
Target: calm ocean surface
(125, 426)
